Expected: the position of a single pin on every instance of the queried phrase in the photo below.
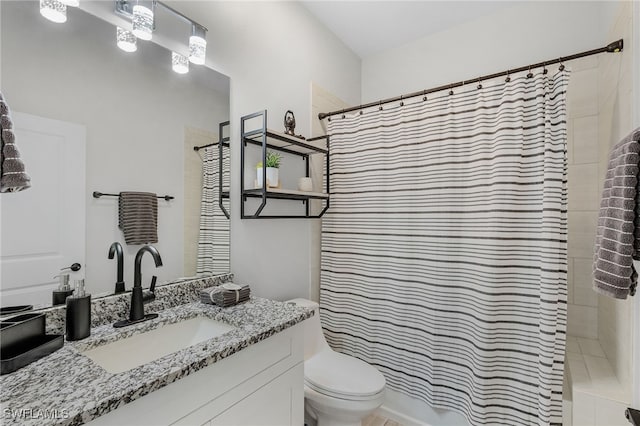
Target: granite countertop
(67, 388)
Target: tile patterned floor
(377, 420)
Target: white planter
(273, 177)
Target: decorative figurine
(290, 124)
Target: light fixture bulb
(54, 10)
(142, 22)
(125, 40)
(71, 3)
(179, 63)
(197, 44)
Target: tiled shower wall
(584, 194)
(615, 83)
(599, 115)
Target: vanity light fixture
(71, 3)
(125, 40)
(197, 44)
(143, 19)
(179, 63)
(54, 10)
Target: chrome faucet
(138, 296)
(116, 249)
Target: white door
(43, 227)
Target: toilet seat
(341, 376)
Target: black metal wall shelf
(273, 140)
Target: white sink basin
(125, 354)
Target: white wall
(135, 110)
(272, 51)
(525, 33)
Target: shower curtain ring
(508, 79)
(479, 84)
(380, 105)
(401, 101)
(451, 89)
(343, 113)
(544, 68)
(561, 68)
(530, 74)
(424, 95)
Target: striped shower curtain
(444, 252)
(213, 242)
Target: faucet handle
(150, 295)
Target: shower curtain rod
(615, 46)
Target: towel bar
(97, 194)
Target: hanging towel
(13, 177)
(138, 217)
(618, 234)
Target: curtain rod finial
(616, 46)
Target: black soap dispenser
(64, 290)
(78, 313)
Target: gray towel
(618, 234)
(227, 294)
(138, 217)
(13, 177)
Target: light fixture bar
(180, 15)
(125, 9)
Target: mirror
(91, 117)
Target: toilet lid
(338, 374)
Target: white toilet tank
(314, 341)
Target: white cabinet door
(43, 227)
(278, 403)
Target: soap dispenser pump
(78, 322)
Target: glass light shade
(125, 40)
(54, 10)
(179, 63)
(142, 22)
(197, 49)
(72, 3)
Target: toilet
(339, 390)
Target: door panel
(43, 227)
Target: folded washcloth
(618, 234)
(13, 177)
(227, 294)
(138, 217)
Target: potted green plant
(273, 166)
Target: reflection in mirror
(88, 117)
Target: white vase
(273, 178)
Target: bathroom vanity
(248, 370)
